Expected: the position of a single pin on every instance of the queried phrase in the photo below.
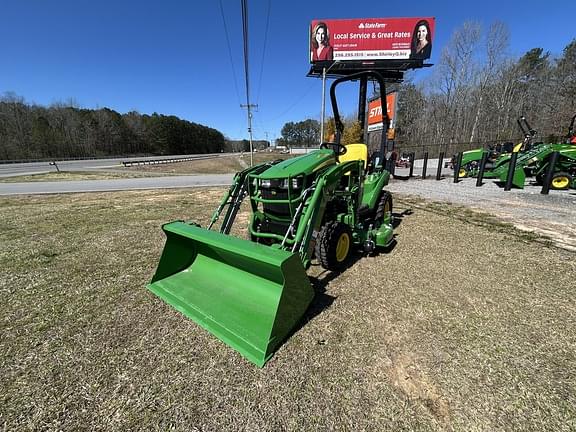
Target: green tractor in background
(498, 158)
(252, 293)
(564, 175)
(532, 161)
(537, 161)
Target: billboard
(371, 39)
(375, 121)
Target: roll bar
(337, 119)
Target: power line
(229, 51)
(296, 102)
(263, 52)
(245, 37)
(248, 106)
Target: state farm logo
(372, 25)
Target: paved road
(114, 185)
(29, 168)
(31, 188)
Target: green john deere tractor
(497, 162)
(532, 160)
(252, 293)
(564, 175)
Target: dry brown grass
(75, 175)
(460, 327)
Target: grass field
(464, 325)
(75, 175)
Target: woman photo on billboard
(320, 43)
(421, 41)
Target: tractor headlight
(265, 183)
(295, 183)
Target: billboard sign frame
(371, 39)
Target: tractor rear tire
(384, 207)
(561, 181)
(333, 245)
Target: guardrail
(60, 159)
(157, 161)
(83, 158)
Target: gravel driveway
(552, 215)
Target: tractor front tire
(384, 208)
(334, 245)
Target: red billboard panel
(371, 39)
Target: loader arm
(235, 195)
(312, 216)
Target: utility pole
(249, 107)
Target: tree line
(61, 131)
(478, 91)
(306, 133)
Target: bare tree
(497, 41)
(456, 74)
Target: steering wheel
(339, 149)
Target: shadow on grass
(322, 301)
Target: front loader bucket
(518, 179)
(248, 295)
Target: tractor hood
(471, 156)
(301, 165)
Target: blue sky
(172, 57)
